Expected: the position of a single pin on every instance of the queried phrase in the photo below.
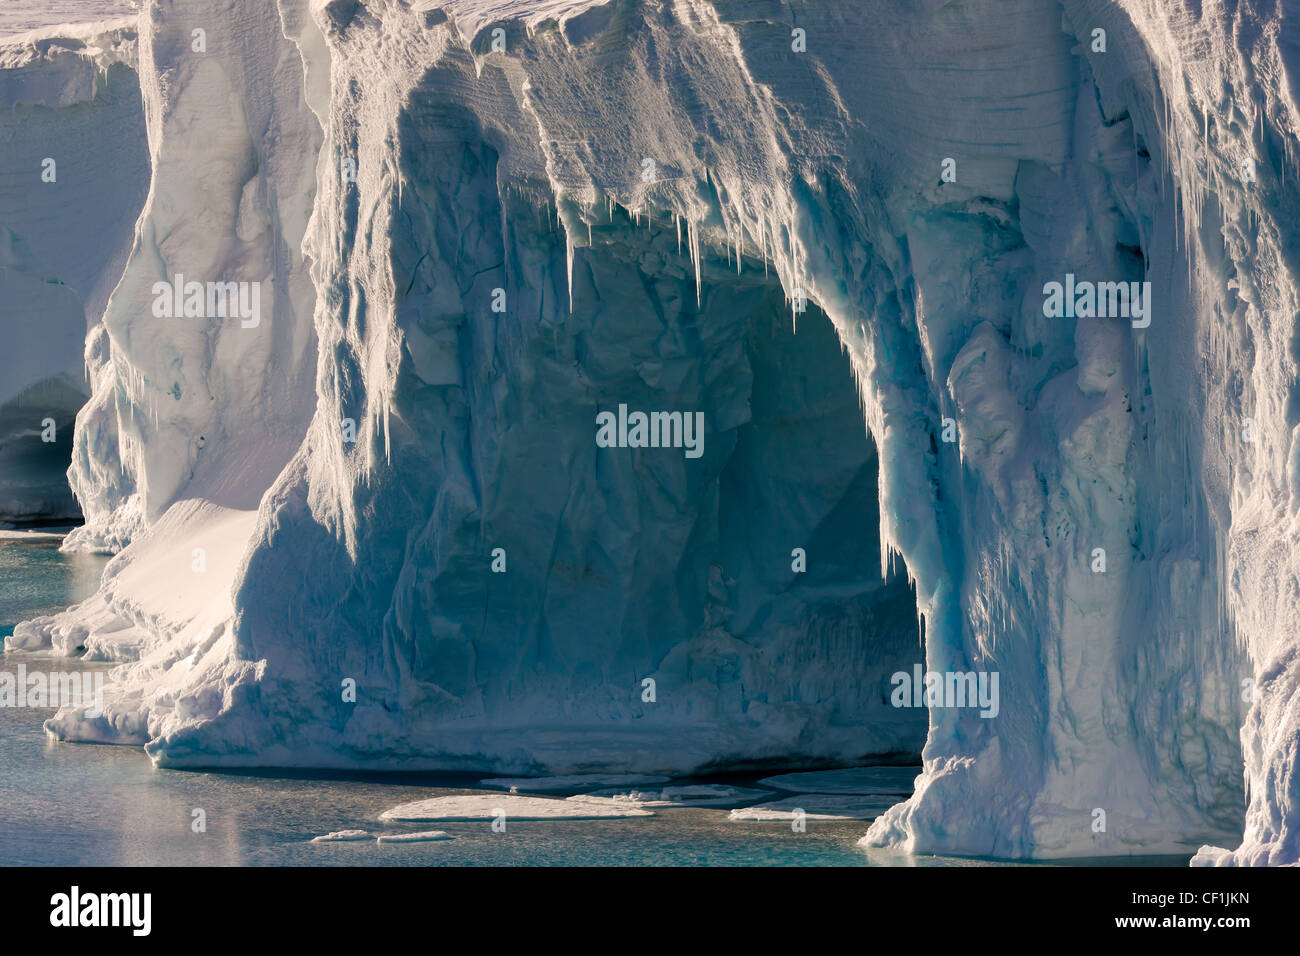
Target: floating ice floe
(489, 806)
(424, 836)
(576, 781)
(344, 836)
(820, 806)
(852, 780)
(701, 795)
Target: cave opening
(781, 600)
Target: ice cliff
(73, 174)
(476, 225)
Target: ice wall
(469, 147)
(73, 174)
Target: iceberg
(74, 166)
(377, 529)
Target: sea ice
(424, 836)
(898, 780)
(575, 781)
(488, 806)
(701, 795)
(819, 806)
(344, 836)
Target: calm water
(80, 804)
(36, 579)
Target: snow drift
(518, 215)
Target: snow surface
(490, 806)
(1140, 691)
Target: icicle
(568, 249)
(693, 235)
(677, 221)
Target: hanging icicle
(568, 250)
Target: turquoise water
(79, 804)
(36, 579)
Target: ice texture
(1140, 691)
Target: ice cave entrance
(784, 552)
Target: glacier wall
(73, 173)
(622, 172)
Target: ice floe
(576, 781)
(424, 836)
(701, 795)
(852, 780)
(490, 806)
(344, 836)
(820, 806)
